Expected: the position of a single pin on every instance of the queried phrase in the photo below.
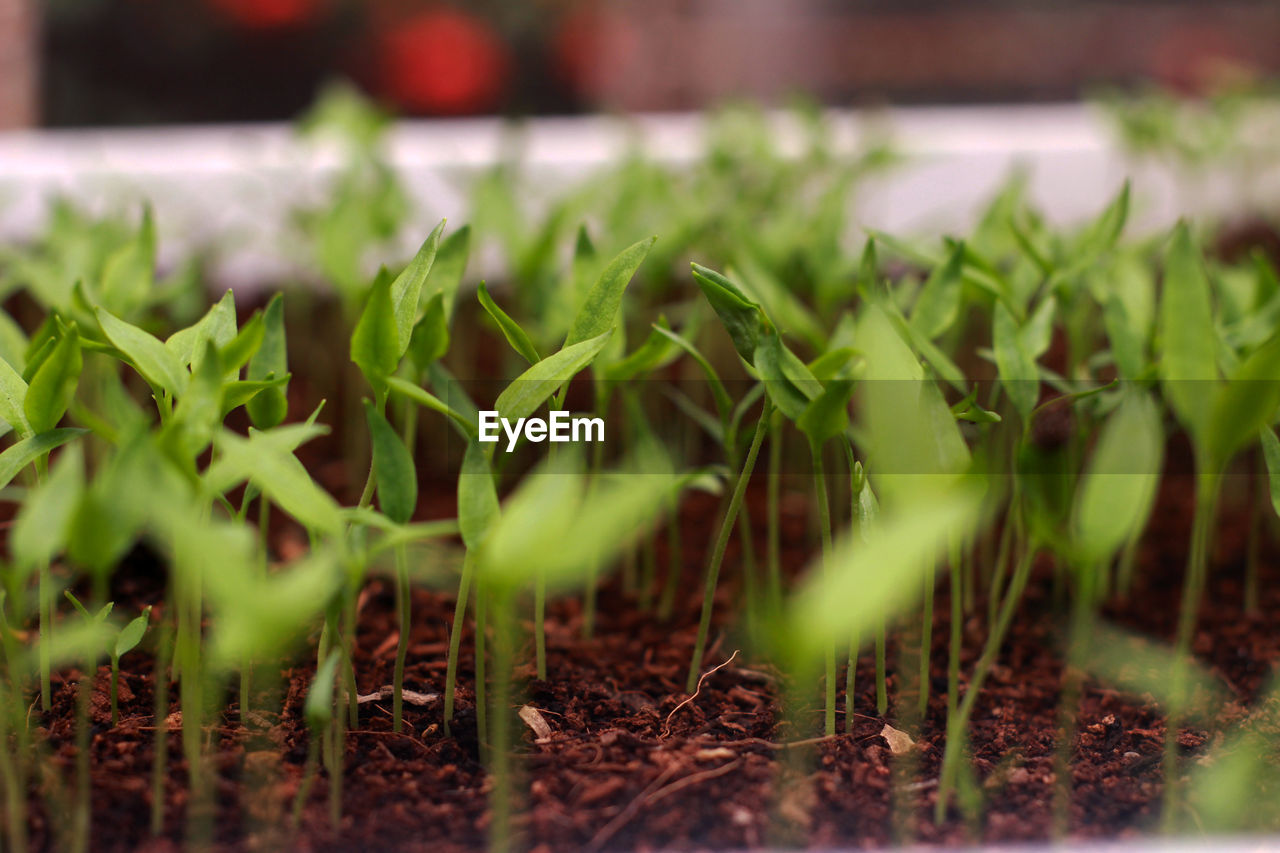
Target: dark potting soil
(628, 761)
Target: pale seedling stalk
(722, 542)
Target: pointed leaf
(531, 389)
(26, 451)
(393, 469)
(599, 312)
(156, 364)
(511, 330)
(406, 290)
(375, 344)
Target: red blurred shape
(443, 61)
(266, 14)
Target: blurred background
(115, 62)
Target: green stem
(722, 542)
(160, 747)
(824, 524)
(926, 637)
(45, 593)
(482, 705)
(404, 612)
(958, 590)
(1082, 622)
(455, 637)
(1207, 486)
(959, 721)
(773, 554)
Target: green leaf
(430, 339)
(477, 497)
(1188, 348)
(393, 469)
(41, 528)
(827, 415)
(1119, 486)
(406, 290)
(424, 398)
(13, 342)
(511, 330)
(237, 352)
(600, 310)
(199, 410)
(282, 478)
(318, 708)
(375, 343)
(80, 608)
(26, 451)
(41, 346)
(259, 616)
(1246, 403)
(245, 392)
(1102, 235)
(217, 325)
(451, 264)
(13, 395)
(862, 582)
(129, 272)
(741, 317)
(130, 635)
(655, 352)
(560, 525)
(791, 399)
(1037, 332)
(149, 357)
(938, 304)
(724, 404)
(529, 390)
(1018, 371)
(270, 407)
(54, 385)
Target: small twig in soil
(611, 828)
(666, 725)
(691, 779)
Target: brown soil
(630, 764)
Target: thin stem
(824, 524)
(404, 612)
(926, 636)
(455, 637)
(1207, 486)
(773, 547)
(160, 747)
(958, 590)
(482, 705)
(1082, 620)
(722, 542)
(45, 593)
(850, 681)
(959, 721)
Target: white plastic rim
(232, 188)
